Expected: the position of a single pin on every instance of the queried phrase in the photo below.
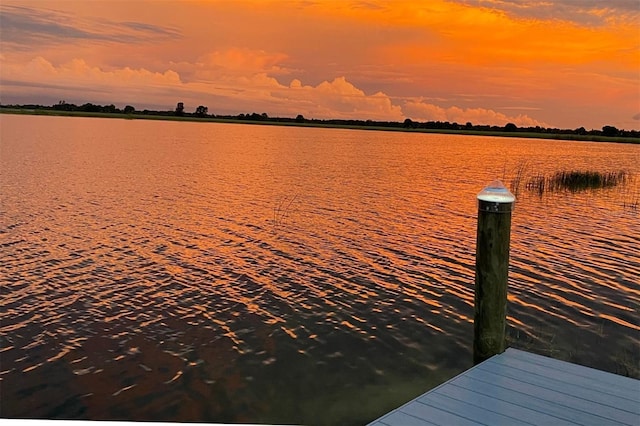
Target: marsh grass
(520, 174)
(576, 181)
(282, 210)
(631, 199)
(571, 181)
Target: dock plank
(469, 410)
(560, 383)
(498, 400)
(438, 416)
(400, 418)
(546, 407)
(589, 382)
(551, 395)
(517, 387)
(577, 370)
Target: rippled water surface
(230, 273)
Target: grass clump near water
(572, 181)
(575, 181)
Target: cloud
(495, 53)
(150, 29)
(636, 117)
(78, 80)
(240, 61)
(419, 110)
(341, 99)
(22, 27)
(583, 12)
(236, 82)
(370, 5)
(233, 91)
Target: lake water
(231, 273)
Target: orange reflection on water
(243, 263)
(634, 327)
(290, 332)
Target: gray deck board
(471, 411)
(577, 370)
(570, 380)
(519, 388)
(437, 415)
(542, 401)
(554, 396)
(497, 402)
(400, 418)
(597, 393)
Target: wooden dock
(519, 388)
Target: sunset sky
(554, 63)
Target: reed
(282, 210)
(520, 174)
(576, 181)
(537, 183)
(579, 180)
(632, 200)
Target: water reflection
(228, 273)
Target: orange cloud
(566, 64)
(242, 61)
(340, 98)
(241, 90)
(458, 33)
(236, 88)
(423, 111)
(78, 74)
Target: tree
(300, 118)
(201, 111)
(609, 131)
(64, 106)
(109, 108)
(89, 107)
(408, 123)
(180, 109)
(129, 109)
(510, 127)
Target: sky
(553, 63)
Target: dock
(520, 388)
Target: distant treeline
(202, 112)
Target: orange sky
(563, 63)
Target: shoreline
(273, 122)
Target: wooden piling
(495, 204)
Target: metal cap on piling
(495, 197)
(495, 204)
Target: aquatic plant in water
(572, 181)
(575, 181)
